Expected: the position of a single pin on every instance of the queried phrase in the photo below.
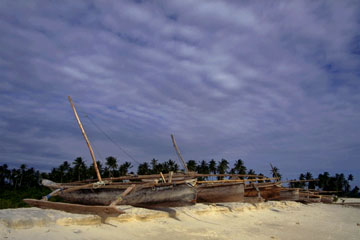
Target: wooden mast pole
(178, 153)
(86, 139)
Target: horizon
(265, 82)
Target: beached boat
(179, 193)
(213, 191)
(220, 192)
(142, 194)
(262, 191)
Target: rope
(111, 140)
(98, 184)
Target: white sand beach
(269, 220)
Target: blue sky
(264, 81)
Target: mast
(86, 139)
(178, 153)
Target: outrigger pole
(178, 153)
(86, 139)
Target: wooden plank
(68, 190)
(170, 177)
(217, 193)
(162, 177)
(75, 208)
(237, 180)
(126, 192)
(176, 175)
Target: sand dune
(270, 220)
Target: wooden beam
(105, 211)
(86, 139)
(237, 180)
(178, 153)
(162, 176)
(120, 198)
(175, 175)
(170, 176)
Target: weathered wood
(236, 180)
(178, 153)
(170, 176)
(267, 191)
(289, 194)
(68, 190)
(75, 208)
(168, 195)
(126, 192)
(326, 199)
(175, 176)
(146, 194)
(86, 139)
(220, 192)
(162, 177)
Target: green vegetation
(337, 183)
(24, 182)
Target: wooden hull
(289, 195)
(75, 208)
(326, 199)
(220, 192)
(267, 191)
(164, 195)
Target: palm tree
(172, 165)
(275, 173)
(79, 168)
(350, 177)
(111, 162)
(308, 176)
(212, 166)
(4, 175)
(203, 168)
(63, 170)
(222, 167)
(260, 177)
(251, 172)
(22, 173)
(15, 176)
(191, 165)
(143, 169)
(92, 172)
(155, 168)
(124, 168)
(239, 167)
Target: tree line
(338, 183)
(24, 179)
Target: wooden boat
(262, 191)
(213, 191)
(179, 193)
(153, 194)
(220, 192)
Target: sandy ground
(271, 220)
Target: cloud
(274, 81)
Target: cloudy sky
(264, 81)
